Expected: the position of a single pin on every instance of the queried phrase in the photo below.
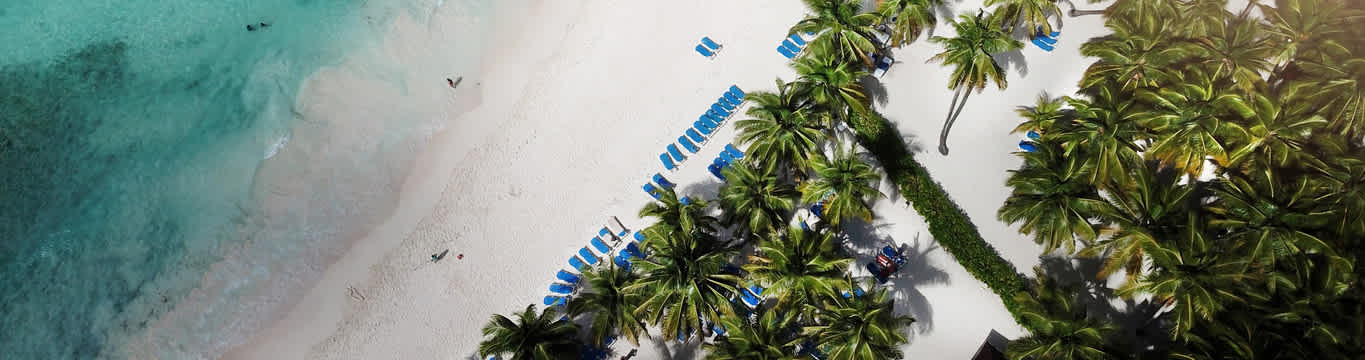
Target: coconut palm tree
(1026, 14)
(971, 55)
(847, 181)
(1148, 210)
(1275, 135)
(1059, 326)
(859, 327)
(754, 198)
(801, 267)
(1338, 86)
(1238, 50)
(684, 284)
(1193, 276)
(1040, 117)
(843, 28)
(541, 336)
(1103, 136)
(1342, 175)
(1052, 198)
(1302, 25)
(1201, 18)
(908, 18)
(1139, 54)
(1268, 217)
(1190, 119)
(831, 85)
(610, 307)
(673, 215)
(768, 336)
(781, 133)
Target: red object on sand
(461, 256)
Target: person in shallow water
(262, 26)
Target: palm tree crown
(531, 336)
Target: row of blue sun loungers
(726, 157)
(708, 48)
(695, 136)
(569, 281)
(1045, 41)
(791, 46)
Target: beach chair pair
(677, 157)
(752, 296)
(653, 190)
(559, 288)
(551, 300)
(883, 64)
(791, 46)
(708, 48)
(1045, 41)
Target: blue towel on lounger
(587, 256)
(1027, 146)
(601, 246)
(703, 127)
(567, 277)
(649, 189)
(702, 50)
(1041, 45)
(561, 288)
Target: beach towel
(703, 126)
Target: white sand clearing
(578, 99)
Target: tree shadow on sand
(1132, 317)
(672, 350)
(918, 270)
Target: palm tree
(1275, 135)
(1147, 211)
(612, 309)
(1343, 175)
(683, 284)
(1052, 198)
(754, 198)
(1190, 118)
(848, 182)
(831, 85)
(673, 215)
(1238, 50)
(1103, 136)
(909, 18)
(781, 134)
(1059, 326)
(1041, 116)
(1339, 87)
(1028, 14)
(1194, 276)
(971, 55)
(1201, 18)
(1139, 54)
(802, 267)
(860, 327)
(843, 28)
(1269, 217)
(531, 336)
(768, 336)
(1302, 25)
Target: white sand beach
(575, 102)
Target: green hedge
(947, 222)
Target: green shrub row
(947, 222)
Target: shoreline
(317, 313)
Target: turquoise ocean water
(131, 136)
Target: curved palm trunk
(1075, 13)
(952, 117)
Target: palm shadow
(918, 270)
(1133, 318)
(876, 90)
(912, 143)
(687, 350)
(1013, 59)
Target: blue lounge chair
(652, 191)
(677, 155)
(1048, 40)
(659, 179)
(737, 92)
(1033, 135)
(715, 170)
(752, 296)
(668, 163)
(605, 233)
(791, 46)
(1042, 45)
(796, 38)
(788, 53)
(720, 163)
(577, 264)
(704, 126)
(856, 292)
(633, 250)
(818, 209)
(696, 137)
(720, 110)
(567, 277)
(621, 261)
(1039, 32)
(734, 152)
(685, 200)
(716, 118)
(725, 157)
(1027, 146)
(702, 50)
(551, 300)
(687, 144)
(587, 256)
(601, 246)
(710, 44)
(639, 236)
(561, 288)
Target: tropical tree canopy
(535, 336)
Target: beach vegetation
(907, 19)
(971, 53)
(1061, 328)
(805, 266)
(844, 28)
(754, 199)
(685, 283)
(781, 132)
(532, 336)
(845, 184)
(611, 309)
(859, 327)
